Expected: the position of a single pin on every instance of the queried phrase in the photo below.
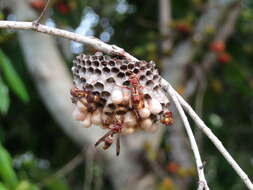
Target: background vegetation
(33, 148)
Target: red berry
(217, 46)
(63, 8)
(224, 57)
(172, 167)
(38, 5)
(183, 28)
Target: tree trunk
(178, 141)
(53, 82)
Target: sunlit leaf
(4, 100)
(26, 185)
(12, 78)
(2, 187)
(7, 174)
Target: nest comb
(106, 93)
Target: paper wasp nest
(109, 89)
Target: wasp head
(134, 80)
(75, 92)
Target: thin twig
(167, 87)
(208, 62)
(194, 146)
(89, 175)
(72, 164)
(165, 25)
(67, 168)
(199, 109)
(38, 20)
(184, 52)
(200, 97)
(91, 41)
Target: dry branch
(168, 88)
(91, 41)
(194, 146)
(112, 50)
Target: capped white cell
(78, 115)
(117, 95)
(96, 117)
(146, 124)
(155, 106)
(130, 119)
(86, 123)
(127, 131)
(144, 112)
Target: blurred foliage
(12, 78)
(133, 25)
(5, 99)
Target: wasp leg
(103, 137)
(137, 114)
(107, 142)
(124, 87)
(118, 145)
(83, 101)
(131, 105)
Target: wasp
(137, 97)
(136, 93)
(107, 139)
(167, 118)
(75, 92)
(90, 99)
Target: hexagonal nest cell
(112, 91)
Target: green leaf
(5, 99)
(1, 15)
(33, 187)
(2, 186)
(26, 185)
(57, 183)
(12, 78)
(7, 174)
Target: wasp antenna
(97, 143)
(118, 145)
